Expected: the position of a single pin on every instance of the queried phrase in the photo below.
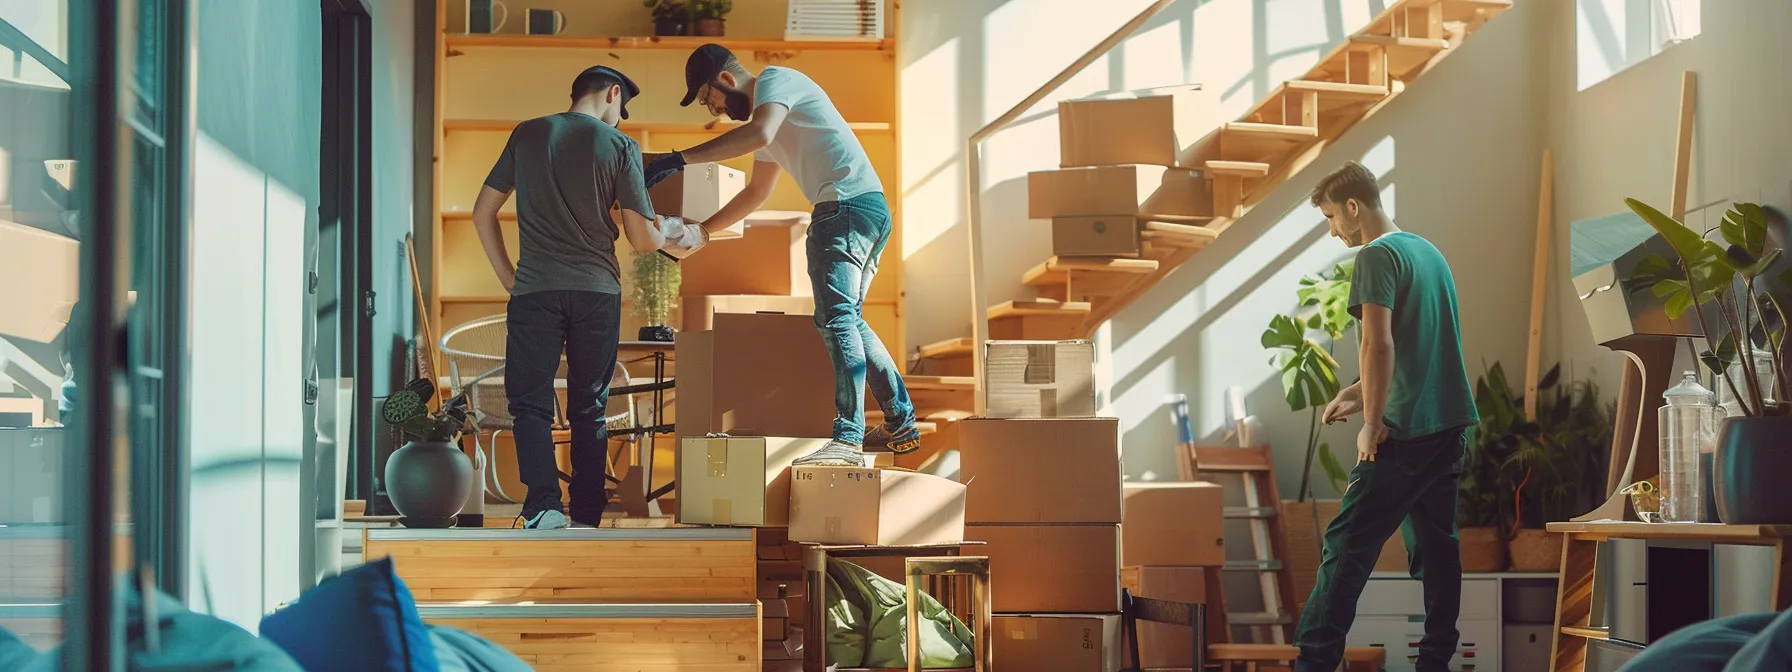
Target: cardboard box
(39, 281)
(876, 507)
(1161, 127)
(1041, 471)
(1178, 524)
(1118, 190)
(738, 480)
(770, 257)
(1058, 642)
(700, 311)
(1055, 569)
(1039, 379)
(1160, 644)
(698, 191)
(1097, 235)
(755, 375)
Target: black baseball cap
(629, 90)
(704, 65)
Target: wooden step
(932, 393)
(1164, 234)
(603, 564)
(1405, 54)
(875, 418)
(1039, 320)
(557, 635)
(1244, 169)
(1464, 10)
(1247, 141)
(1304, 102)
(1082, 278)
(951, 347)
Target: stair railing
(974, 185)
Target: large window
(1612, 35)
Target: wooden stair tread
(1463, 10)
(946, 416)
(1248, 169)
(939, 382)
(1038, 308)
(951, 347)
(1271, 131)
(1057, 270)
(1178, 234)
(1339, 89)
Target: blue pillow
(363, 620)
(1706, 646)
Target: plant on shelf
(670, 17)
(709, 16)
(1309, 372)
(1737, 296)
(656, 280)
(408, 411)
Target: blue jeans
(845, 240)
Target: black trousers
(585, 325)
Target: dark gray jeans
(541, 325)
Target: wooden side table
(1574, 588)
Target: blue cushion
(459, 650)
(1770, 650)
(1706, 646)
(363, 620)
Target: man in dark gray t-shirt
(566, 170)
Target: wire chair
(475, 353)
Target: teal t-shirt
(1430, 391)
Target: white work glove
(682, 238)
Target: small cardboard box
(755, 375)
(738, 480)
(698, 191)
(874, 507)
(700, 311)
(1039, 379)
(39, 281)
(1097, 235)
(1058, 642)
(1041, 471)
(770, 257)
(1177, 524)
(1161, 127)
(1160, 644)
(1055, 569)
(1118, 190)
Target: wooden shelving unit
(686, 44)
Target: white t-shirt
(814, 144)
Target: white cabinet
(1391, 614)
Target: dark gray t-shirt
(567, 170)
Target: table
(1574, 588)
(655, 350)
(815, 567)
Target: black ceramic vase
(1754, 455)
(656, 334)
(428, 483)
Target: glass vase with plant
(1737, 295)
(670, 17)
(710, 15)
(1309, 372)
(656, 280)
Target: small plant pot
(672, 27)
(1753, 457)
(428, 483)
(711, 27)
(1483, 549)
(656, 334)
(1536, 551)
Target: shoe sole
(904, 446)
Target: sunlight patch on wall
(1613, 35)
(1225, 33)
(1153, 58)
(1146, 396)
(933, 187)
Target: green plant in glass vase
(656, 279)
(1309, 372)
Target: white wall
(1458, 152)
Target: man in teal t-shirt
(1417, 409)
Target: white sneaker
(833, 454)
(548, 520)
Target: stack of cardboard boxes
(756, 265)
(1174, 549)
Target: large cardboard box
(770, 257)
(700, 311)
(1041, 471)
(1178, 524)
(1097, 236)
(1058, 642)
(698, 191)
(1039, 379)
(878, 507)
(755, 375)
(738, 480)
(1118, 190)
(39, 282)
(1160, 644)
(1160, 127)
(1056, 569)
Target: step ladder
(1249, 472)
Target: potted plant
(1739, 309)
(656, 290)
(708, 16)
(428, 478)
(670, 17)
(1560, 469)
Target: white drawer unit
(1391, 614)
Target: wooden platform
(602, 564)
(570, 635)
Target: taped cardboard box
(698, 191)
(1041, 471)
(738, 480)
(1039, 379)
(1161, 644)
(39, 281)
(1097, 236)
(874, 507)
(1177, 524)
(1160, 127)
(770, 257)
(755, 375)
(1118, 190)
(700, 311)
(1051, 569)
(1058, 642)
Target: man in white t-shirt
(791, 124)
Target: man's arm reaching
(1377, 364)
(758, 189)
(740, 141)
(491, 237)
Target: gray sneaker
(550, 519)
(834, 454)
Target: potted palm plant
(1738, 296)
(1557, 463)
(656, 280)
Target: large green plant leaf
(1745, 225)
(1283, 332)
